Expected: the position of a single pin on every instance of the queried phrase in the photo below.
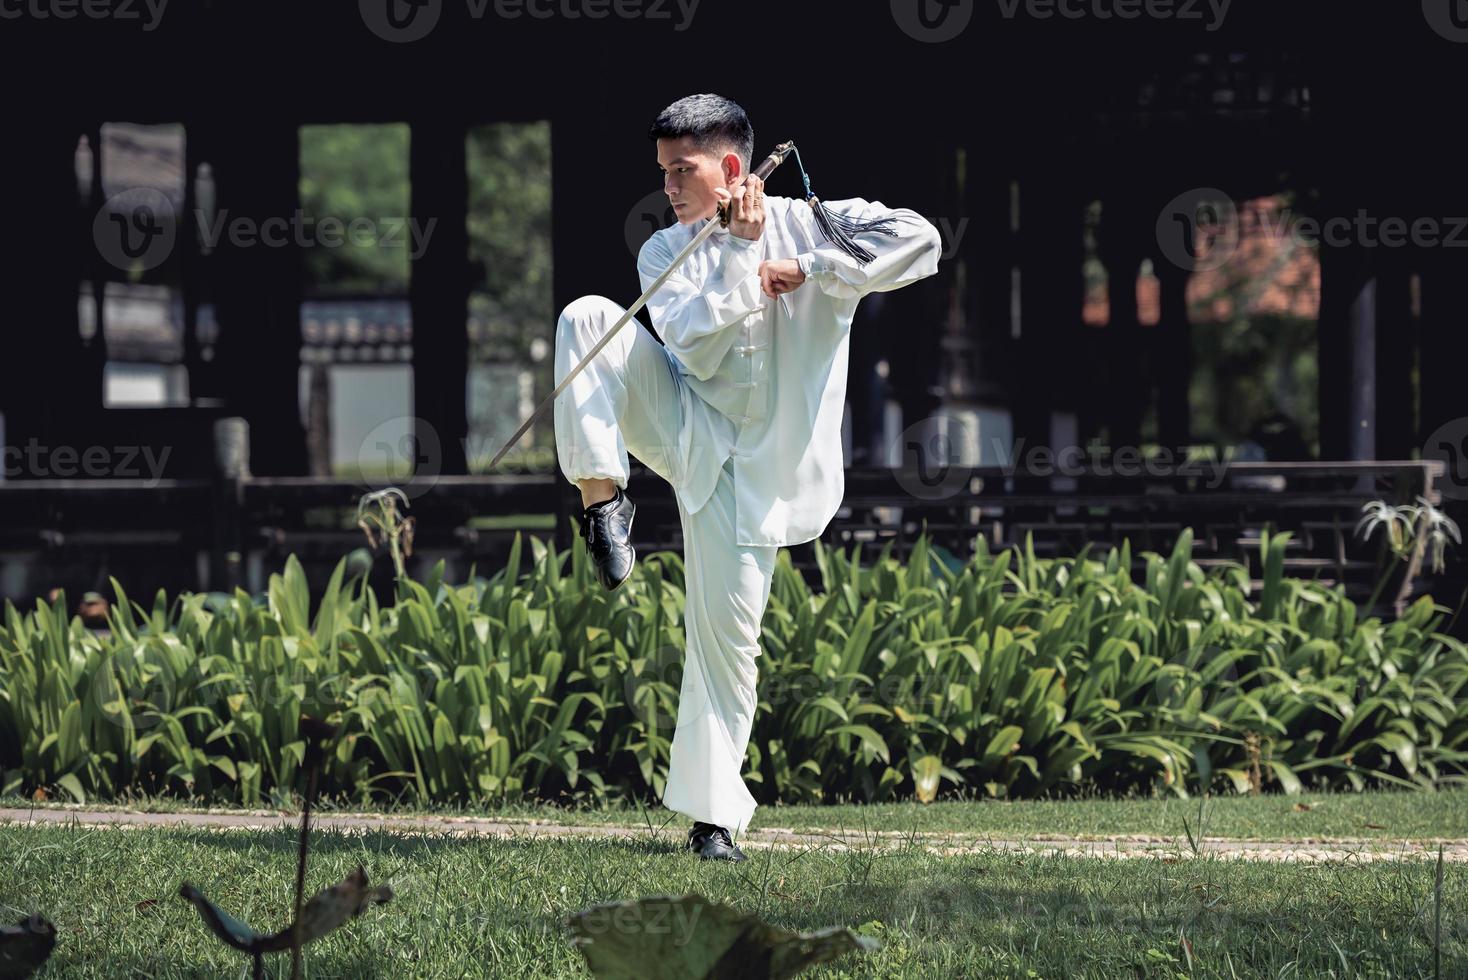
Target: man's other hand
(778, 276)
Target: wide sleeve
(909, 256)
(696, 321)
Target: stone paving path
(1307, 850)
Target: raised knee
(586, 309)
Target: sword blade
(632, 311)
(763, 171)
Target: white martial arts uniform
(741, 413)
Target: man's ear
(733, 168)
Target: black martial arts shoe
(712, 843)
(606, 526)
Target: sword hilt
(767, 166)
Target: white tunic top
(775, 371)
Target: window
(131, 310)
(356, 323)
(511, 316)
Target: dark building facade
(1001, 122)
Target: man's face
(691, 174)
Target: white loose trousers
(632, 398)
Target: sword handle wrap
(763, 171)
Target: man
(739, 409)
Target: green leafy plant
(1008, 675)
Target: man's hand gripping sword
(763, 171)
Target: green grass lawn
(483, 907)
(1375, 815)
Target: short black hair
(714, 122)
